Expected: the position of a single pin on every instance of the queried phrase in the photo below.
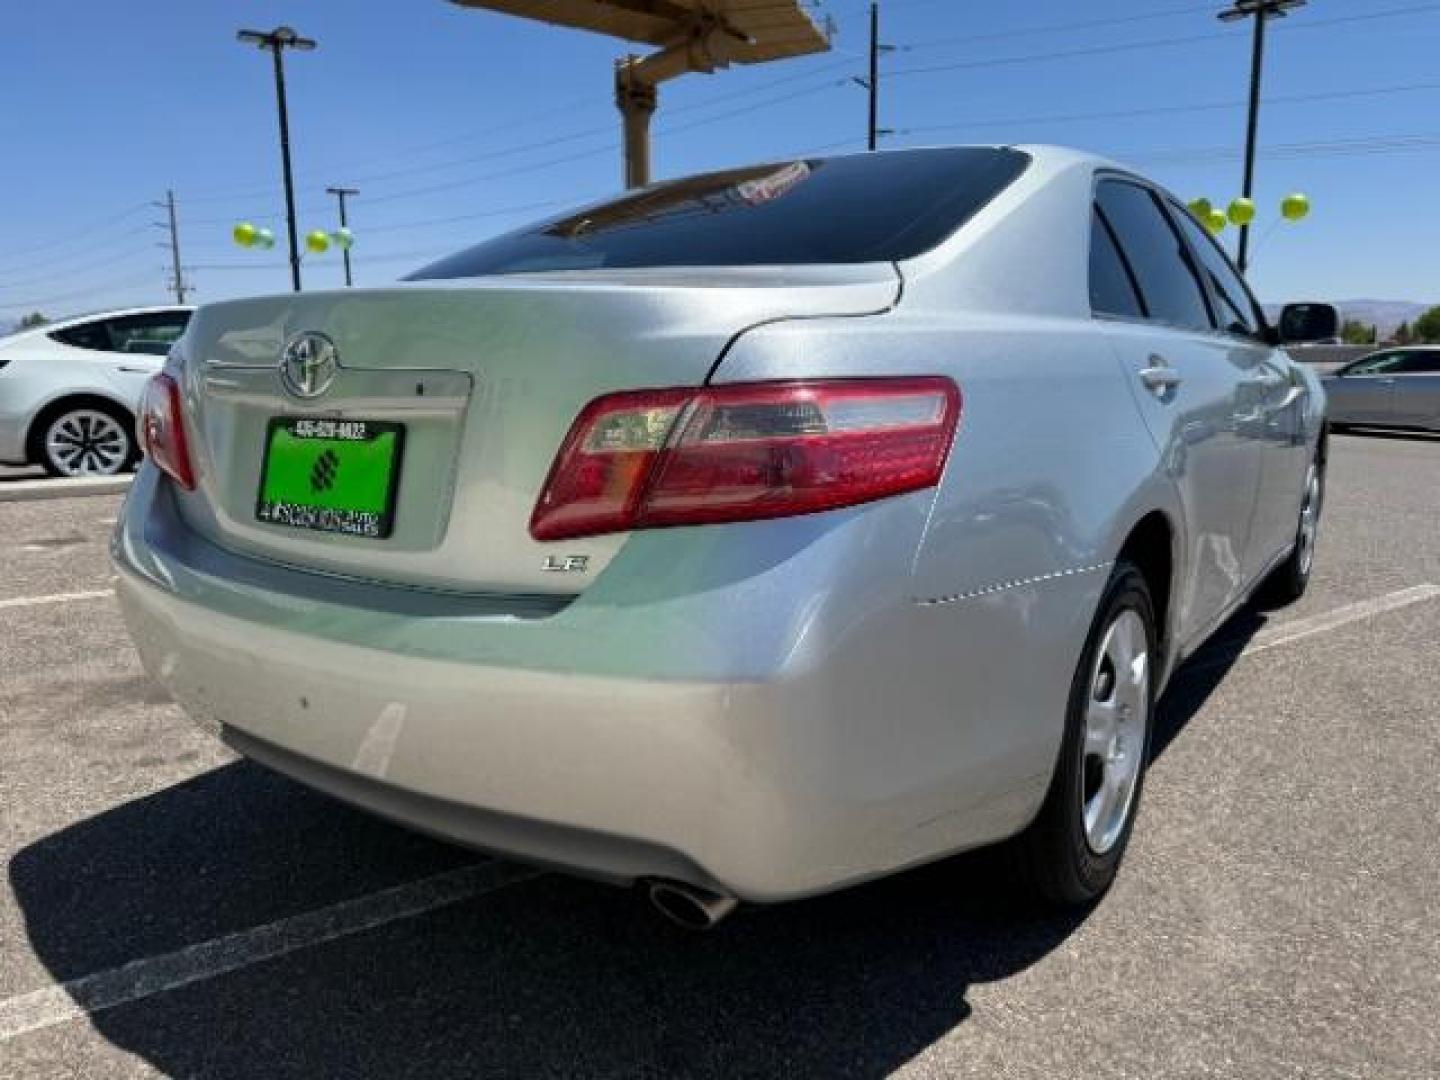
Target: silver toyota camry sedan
(1393, 388)
(747, 536)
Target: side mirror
(1308, 324)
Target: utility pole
(874, 75)
(872, 82)
(276, 42)
(177, 273)
(1262, 11)
(341, 193)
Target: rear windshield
(866, 208)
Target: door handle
(1160, 378)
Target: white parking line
(55, 598)
(1290, 632)
(144, 978)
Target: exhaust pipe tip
(690, 907)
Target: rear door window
(1238, 311)
(1112, 289)
(865, 208)
(148, 333)
(1418, 363)
(1163, 267)
(1379, 364)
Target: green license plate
(331, 475)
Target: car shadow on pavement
(551, 977)
(1201, 674)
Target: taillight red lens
(162, 430)
(653, 458)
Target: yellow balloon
(318, 241)
(1242, 211)
(1296, 207)
(244, 233)
(1216, 221)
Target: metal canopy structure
(690, 35)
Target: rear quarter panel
(959, 684)
(956, 665)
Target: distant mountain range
(1384, 314)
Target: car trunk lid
(480, 380)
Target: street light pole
(341, 193)
(1262, 11)
(276, 42)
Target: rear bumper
(754, 734)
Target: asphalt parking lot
(168, 909)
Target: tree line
(1424, 331)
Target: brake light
(162, 430)
(654, 458)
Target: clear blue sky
(458, 123)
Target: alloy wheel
(87, 442)
(1309, 520)
(1117, 719)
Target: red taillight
(652, 458)
(162, 430)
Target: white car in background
(69, 390)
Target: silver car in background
(751, 535)
(69, 390)
(1397, 387)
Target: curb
(28, 490)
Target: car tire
(1288, 581)
(1070, 854)
(86, 438)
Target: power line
(81, 236)
(1053, 28)
(1152, 43)
(606, 130)
(1166, 110)
(111, 260)
(1368, 146)
(35, 304)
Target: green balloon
(317, 241)
(344, 238)
(1295, 207)
(244, 234)
(1201, 208)
(1216, 221)
(264, 238)
(1242, 211)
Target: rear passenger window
(1237, 309)
(1169, 287)
(1418, 363)
(1111, 290)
